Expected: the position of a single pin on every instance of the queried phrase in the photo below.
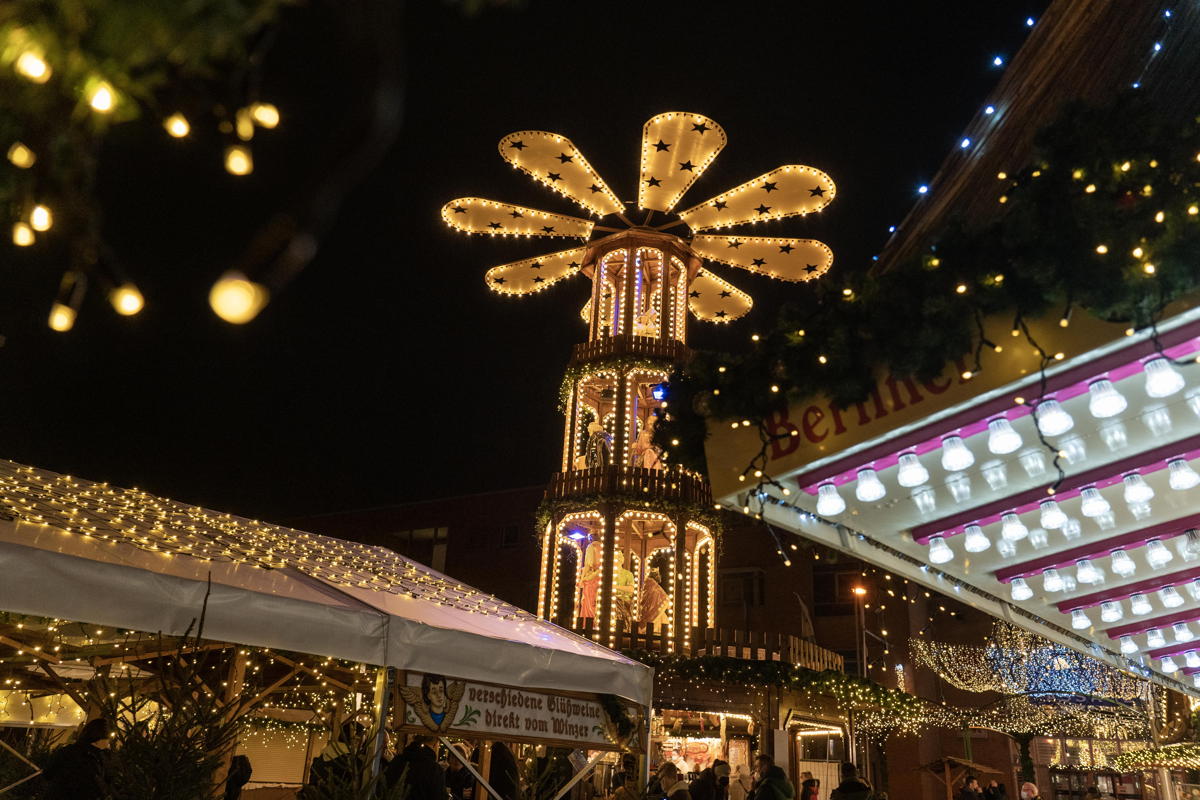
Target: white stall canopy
(94, 553)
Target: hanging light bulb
(1020, 590)
(1111, 611)
(1005, 548)
(1128, 645)
(237, 299)
(911, 473)
(1194, 589)
(1002, 439)
(955, 454)
(1122, 564)
(1157, 554)
(1071, 529)
(1192, 659)
(1079, 619)
(1154, 638)
(869, 487)
(1162, 379)
(925, 500)
(960, 487)
(1136, 489)
(1104, 400)
(1169, 665)
(1011, 528)
(829, 502)
(1052, 418)
(996, 475)
(1183, 632)
(1073, 449)
(126, 299)
(976, 541)
(1169, 597)
(1114, 435)
(1093, 504)
(939, 551)
(1086, 572)
(1052, 581)
(1052, 516)
(1182, 476)
(1139, 604)
(1188, 545)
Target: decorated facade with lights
(628, 540)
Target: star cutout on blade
(547, 229)
(594, 188)
(564, 158)
(653, 181)
(693, 293)
(494, 226)
(816, 191)
(574, 265)
(726, 293)
(735, 244)
(459, 210)
(762, 209)
(687, 165)
(499, 280)
(536, 265)
(810, 267)
(516, 214)
(786, 248)
(538, 279)
(768, 187)
(661, 146)
(758, 262)
(720, 314)
(517, 145)
(700, 128)
(720, 205)
(553, 176)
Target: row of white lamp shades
(1092, 504)
(1157, 556)
(1162, 380)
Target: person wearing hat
(78, 771)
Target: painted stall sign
(444, 705)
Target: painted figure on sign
(435, 702)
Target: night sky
(387, 371)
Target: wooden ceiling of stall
(1085, 50)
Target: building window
(741, 587)
(510, 536)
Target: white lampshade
(1128, 645)
(1188, 545)
(829, 502)
(1157, 554)
(956, 456)
(1052, 516)
(1194, 589)
(1073, 448)
(1038, 538)
(1052, 418)
(960, 487)
(1002, 439)
(1183, 632)
(1162, 379)
(1139, 605)
(1033, 462)
(1169, 665)
(1111, 611)
(1052, 581)
(1086, 572)
(869, 488)
(1079, 620)
(1136, 489)
(1071, 529)
(976, 541)
(1093, 504)
(1114, 435)
(939, 551)
(1169, 597)
(995, 473)
(1157, 419)
(1104, 400)
(1006, 548)
(925, 500)
(911, 473)
(1154, 638)
(1182, 476)
(1192, 659)
(1122, 564)
(1020, 589)
(1011, 528)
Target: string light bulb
(22, 234)
(102, 97)
(265, 115)
(238, 160)
(20, 156)
(40, 218)
(237, 299)
(33, 67)
(177, 125)
(62, 317)
(126, 299)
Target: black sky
(387, 371)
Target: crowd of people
(768, 782)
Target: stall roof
(91, 552)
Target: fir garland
(1106, 218)
(1185, 755)
(549, 511)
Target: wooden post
(949, 783)
(679, 590)
(384, 680)
(604, 610)
(234, 681)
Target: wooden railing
(746, 645)
(674, 483)
(611, 346)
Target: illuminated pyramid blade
(676, 148)
(477, 215)
(554, 161)
(532, 275)
(783, 259)
(585, 313)
(789, 191)
(713, 299)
